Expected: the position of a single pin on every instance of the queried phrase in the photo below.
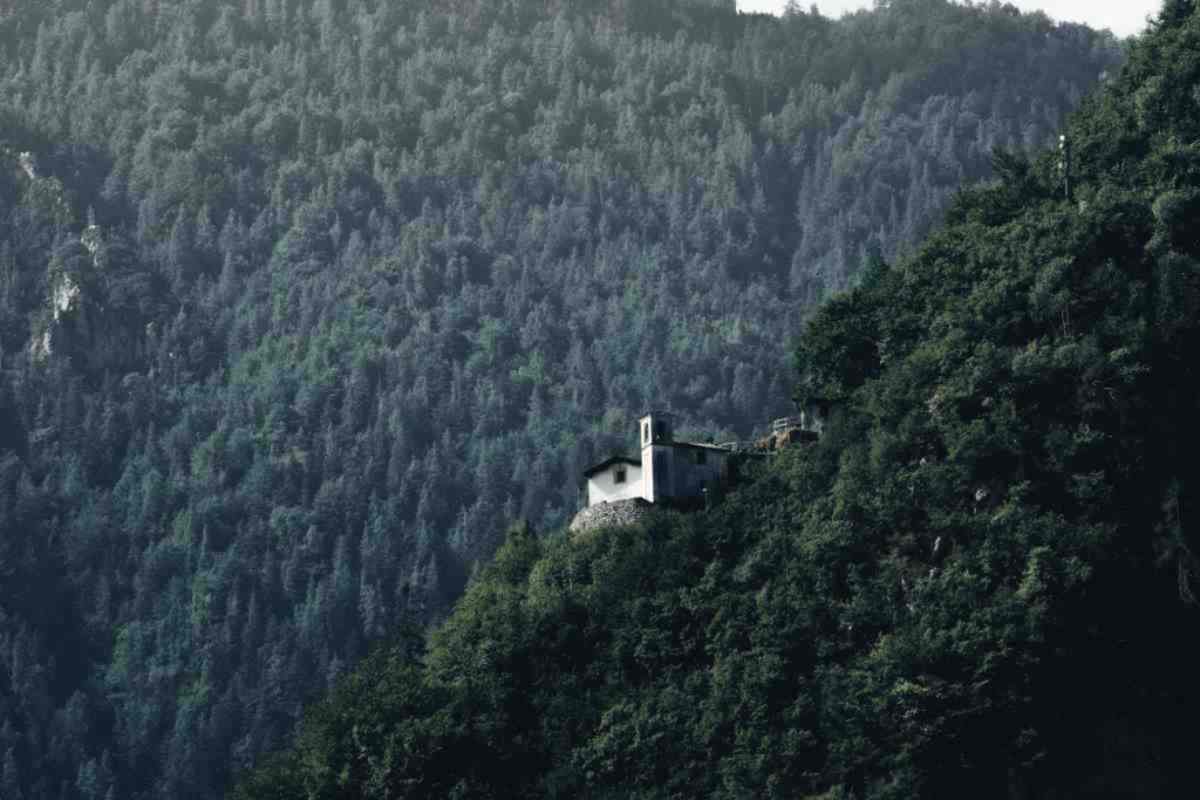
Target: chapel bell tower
(656, 429)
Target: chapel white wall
(602, 488)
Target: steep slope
(369, 278)
(980, 582)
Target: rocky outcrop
(28, 165)
(66, 295)
(92, 240)
(79, 326)
(604, 515)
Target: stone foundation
(603, 515)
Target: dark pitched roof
(603, 465)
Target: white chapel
(666, 470)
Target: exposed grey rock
(618, 513)
(28, 164)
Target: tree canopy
(981, 581)
(301, 301)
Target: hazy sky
(1123, 17)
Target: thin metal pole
(1064, 163)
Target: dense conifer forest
(980, 582)
(302, 301)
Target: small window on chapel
(619, 477)
(701, 457)
(645, 431)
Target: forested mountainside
(980, 582)
(302, 300)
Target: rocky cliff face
(78, 321)
(80, 326)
